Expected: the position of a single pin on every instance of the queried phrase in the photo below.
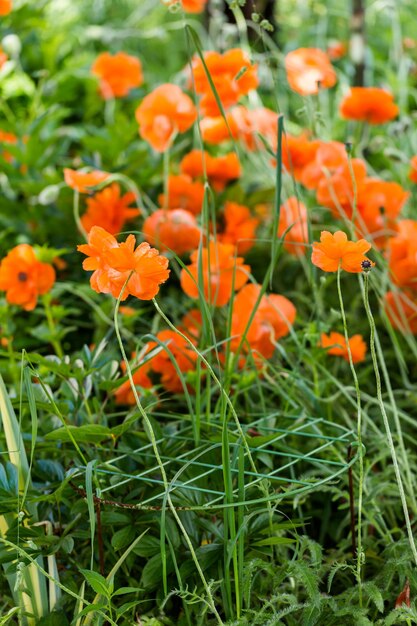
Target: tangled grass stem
(159, 461)
(381, 404)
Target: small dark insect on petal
(366, 265)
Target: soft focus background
(83, 540)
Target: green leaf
(274, 541)
(127, 607)
(56, 618)
(67, 544)
(374, 593)
(90, 433)
(122, 537)
(124, 590)
(97, 582)
(149, 546)
(281, 526)
(152, 572)
(91, 608)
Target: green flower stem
(46, 299)
(225, 402)
(225, 396)
(386, 421)
(359, 555)
(76, 213)
(109, 111)
(152, 437)
(396, 416)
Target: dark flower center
(22, 277)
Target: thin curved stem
(386, 421)
(55, 341)
(76, 213)
(161, 466)
(359, 554)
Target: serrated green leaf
(98, 583)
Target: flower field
(208, 313)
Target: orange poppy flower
(232, 74)
(240, 227)
(273, 319)
(297, 153)
(335, 250)
(335, 344)
(308, 70)
(243, 124)
(24, 278)
(162, 114)
(336, 50)
(214, 130)
(127, 311)
(7, 138)
(294, 214)
(379, 204)
(83, 181)
(59, 263)
(402, 254)
(5, 7)
(389, 197)
(112, 264)
(185, 359)
(337, 190)
(118, 74)
(109, 210)
(124, 393)
(401, 309)
(413, 170)
(409, 43)
(183, 193)
(264, 122)
(176, 230)
(368, 104)
(219, 170)
(189, 6)
(192, 324)
(328, 157)
(222, 272)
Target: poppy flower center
(22, 277)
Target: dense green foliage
(80, 488)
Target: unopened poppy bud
(12, 46)
(266, 25)
(48, 195)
